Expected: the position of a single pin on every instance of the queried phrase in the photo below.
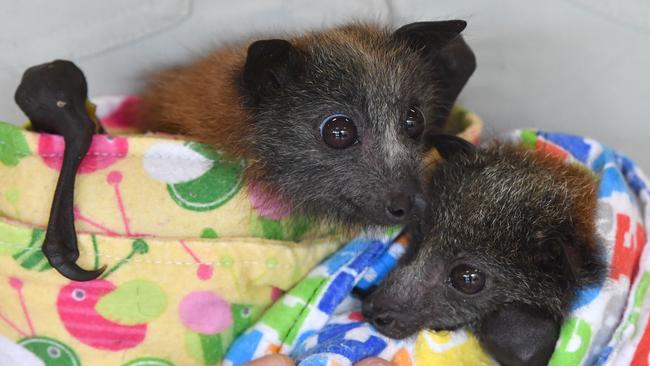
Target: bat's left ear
(563, 251)
(270, 65)
(441, 44)
(519, 334)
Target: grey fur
(503, 211)
(362, 72)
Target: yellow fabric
(162, 254)
(150, 210)
(449, 349)
(188, 268)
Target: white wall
(577, 66)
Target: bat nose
(383, 320)
(401, 205)
(378, 317)
(398, 206)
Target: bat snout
(405, 204)
(386, 319)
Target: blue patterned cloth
(319, 323)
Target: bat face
(339, 121)
(345, 140)
(453, 286)
(505, 229)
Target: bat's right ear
(448, 146)
(270, 65)
(430, 37)
(451, 59)
(519, 334)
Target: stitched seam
(121, 156)
(161, 262)
(321, 240)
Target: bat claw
(66, 264)
(72, 271)
(54, 97)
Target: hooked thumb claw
(72, 271)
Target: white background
(579, 66)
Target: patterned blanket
(194, 255)
(319, 322)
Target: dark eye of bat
(338, 131)
(414, 123)
(467, 279)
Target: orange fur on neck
(202, 102)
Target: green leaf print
(13, 238)
(32, 257)
(134, 302)
(13, 145)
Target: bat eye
(414, 122)
(339, 132)
(467, 279)
(79, 294)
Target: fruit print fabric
(205, 181)
(103, 152)
(41, 350)
(205, 312)
(76, 305)
(50, 351)
(31, 257)
(13, 146)
(159, 253)
(153, 247)
(121, 178)
(608, 325)
(58, 308)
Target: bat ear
(449, 146)
(555, 252)
(270, 65)
(429, 36)
(519, 334)
(453, 62)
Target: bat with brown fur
(511, 239)
(332, 120)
